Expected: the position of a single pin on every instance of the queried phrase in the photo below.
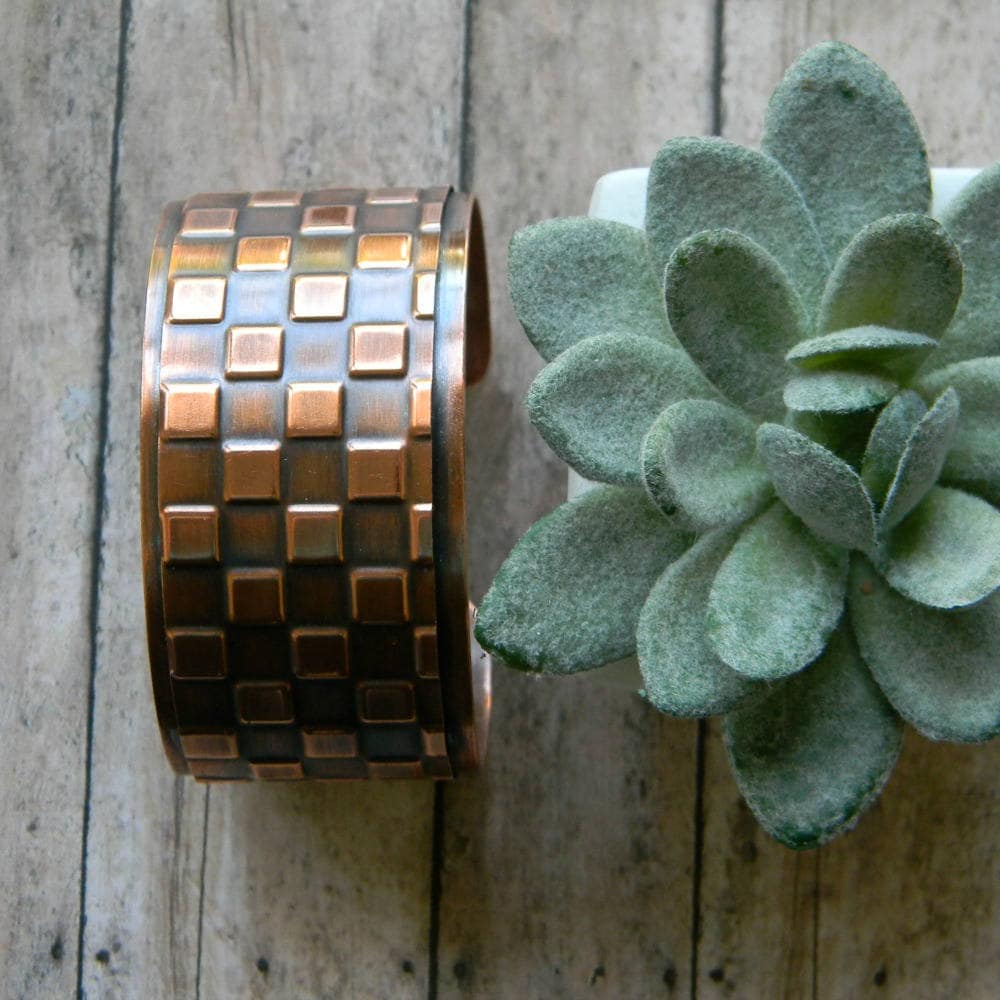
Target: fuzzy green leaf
(837, 391)
(568, 597)
(819, 487)
(708, 183)
(845, 434)
(595, 403)
(682, 674)
(902, 272)
(842, 130)
(922, 459)
(574, 278)
(974, 460)
(861, 345)
(812, 754)
(776, 598)
(946, 554)
(887, 442)
(699, 465)
(732, 308)
(973, 222)
(938, 668)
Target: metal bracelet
(305, 363)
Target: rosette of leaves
(787, 389)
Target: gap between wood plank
(697, 850)
(437, 867)
(466, 147)
(465, 165)
(718, 63)
(201, 890)
(718, 67)
(815, 940)
(97, 538)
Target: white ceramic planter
(621, 197)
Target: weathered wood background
(603, 851)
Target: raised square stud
(386, 701)
(210, 746)
(384, 250)
(201, 256)
(314, 409)
(392, 196)
(254, 352)
(196, 653)
(255, 596)
(277, 770)
(190, 533)
(421, 534)
(425, 651)
(275, 199)
(314, 532)
(430, 216)
(378, 349)
(190, 410)
(330, 743)
(379, 596)
(217, 199)
(420, 407)
(208, 222)
(376, 470)
(319, 296)
(261, 703)
(424, 286)
(216, 770)
(251, 470)
(263, 253)
(328, 219)
(320, 652)
(433, 743)
(196, 300)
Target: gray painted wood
(568, 860)
(758, 900)
(57, 78)
(569, 864)
(240, 97)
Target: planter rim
(620, 195)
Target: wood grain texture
(942, 56)
(57, 67)
(568, 860)
(569, 866)
(906, 904)
(296, 896)
(758, 899)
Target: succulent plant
(787, 389)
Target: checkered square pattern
(294, 484)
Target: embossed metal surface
(304, 372)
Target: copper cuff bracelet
(303, 483)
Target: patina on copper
(305, 363)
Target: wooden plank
(58, 70)
(942, 57)
(304, 891)
(568, 860)
(907, 902)
(758, 899)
